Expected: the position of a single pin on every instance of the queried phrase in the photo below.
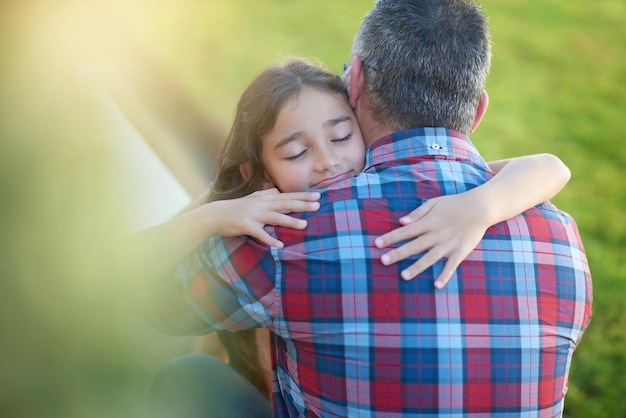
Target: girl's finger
(261, 235)
(418, 213)
(307, 196)
(402, 233)
(407, 250)
(448, 270)
(425, 261)
(279, 219)
(294, 206)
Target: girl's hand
(248, 215)
(452, 226)
(444, 227)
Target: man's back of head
(425, 62)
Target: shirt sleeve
(226, 284)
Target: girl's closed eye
(343, 139)
(296, 156)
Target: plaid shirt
(353, 339)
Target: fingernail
(385, 259)
(405, 219)
(406, 275)
(302, 223)
(379, 243)
(438, 284)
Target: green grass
(558, 84)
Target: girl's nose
(326, 159)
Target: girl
(294, 131)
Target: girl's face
(315, 142)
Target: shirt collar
(419, 142)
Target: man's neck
(372, 136)
(371, 130)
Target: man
(350, 339)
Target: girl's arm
(167, 243)
(440, 229)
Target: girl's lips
(332, 180)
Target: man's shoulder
(221, 251)
(550, 211)
(543, 224)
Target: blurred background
(112, 114)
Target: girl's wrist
(487, 211)
(205, 219)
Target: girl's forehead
(307, 92)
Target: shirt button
(435, 146)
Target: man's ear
(480, 110)
(357, 81)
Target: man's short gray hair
(425, 62)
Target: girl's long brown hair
(255, 117)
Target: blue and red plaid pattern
(352, 339)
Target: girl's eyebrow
(288, 139)
(338, 120)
